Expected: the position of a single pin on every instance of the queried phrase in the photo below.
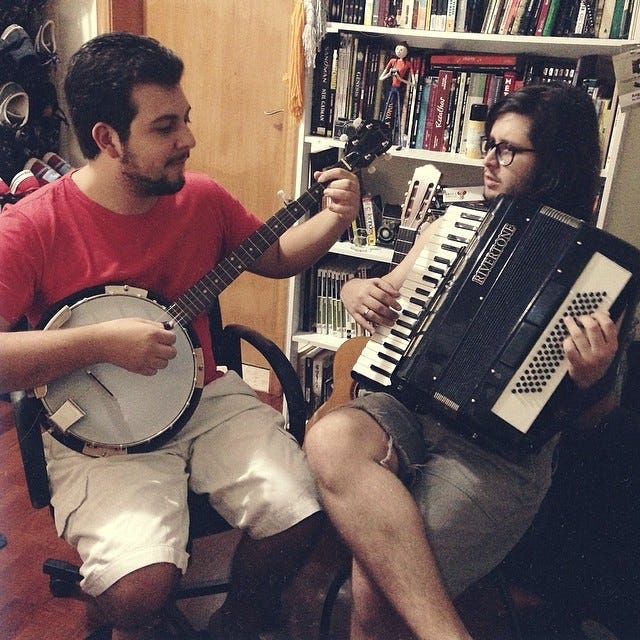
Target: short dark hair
(564, 132)
(102, 75)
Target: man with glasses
(425, 511)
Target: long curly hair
(564, 132)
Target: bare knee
(135, 600)
(343, 439)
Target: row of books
(332, 318)
(584, 18)
(436, 108)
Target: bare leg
(380, 522)
(371, 613)
(133, 603)
(259, 572)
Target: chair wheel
(62, 588)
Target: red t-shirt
(57, 242)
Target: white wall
(76, 22)
(622, 216)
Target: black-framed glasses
(505, 151)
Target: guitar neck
(404, 241)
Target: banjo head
(106, 409)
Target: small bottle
(475, 130)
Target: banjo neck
(367, 141)
(202, 294)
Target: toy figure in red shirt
(401, 74)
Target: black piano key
(393, 347)
(385, 356)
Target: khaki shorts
(127, 512)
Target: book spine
(320, 124)
(445, 78)
(368, 209)
(440, 61)
(544, 11)
(450, 21)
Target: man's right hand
(138, 345)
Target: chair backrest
(28, 416)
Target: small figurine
(400, 70)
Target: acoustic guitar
(423, 188)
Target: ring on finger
(366, 313)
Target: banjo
(107, 410)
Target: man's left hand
(590, 347)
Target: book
(371, 214)
(442, 95)
(450, 16)
(544, 10)
(518, 16)
(483, 62)
(606, 19)
(357, 81)
(463, 93)
(495, 16)
(476, 10)
(421, 70)
(321, 120)
(335, 10)
(616, 19)
(529, 12)
(461, 16)
(475, 95)
(306, 377)
(454, 97)
(508, 17)
(423, 16)
(422, 111)
(552, 14)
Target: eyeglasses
(505, 151)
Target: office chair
(204, 520)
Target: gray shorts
(127, 512)
(475, 504)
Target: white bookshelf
(394, 170)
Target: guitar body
(107, 410)
(345, 388)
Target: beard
(143, 185)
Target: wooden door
(236, 56)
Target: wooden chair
(204, 521)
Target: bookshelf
(393, 171)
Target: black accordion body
(485, 351)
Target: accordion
(485, 348)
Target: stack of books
(584, 18)
(437, 106)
